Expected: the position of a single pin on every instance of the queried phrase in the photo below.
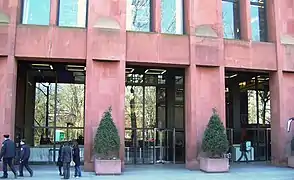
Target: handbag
(72, 163)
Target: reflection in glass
(150, 106)
(70, 107)
(172, 16)
(231, 19)
(138, 15)
(72, 13)
(36, 12)
(134, 107)
(258, 20)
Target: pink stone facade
(107, 50)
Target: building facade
(258, 36)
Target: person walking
(66, 156)
(243, 147)
(77, 159)
(25, 153)
(8, 152)
(59, 160)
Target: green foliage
(215, 142)
(107, 140)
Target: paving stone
(177, 172)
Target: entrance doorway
(154, 115)
(248, 114)
(50, 107)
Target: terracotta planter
(214, 165)
(107, 167)
(291, 161)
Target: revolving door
(154, 116)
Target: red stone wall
(106, 50)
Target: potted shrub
(107, 146)
(215, 144)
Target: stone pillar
(8, 72)
(205, 90)
(105, 74)
(8, 69)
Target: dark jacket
(25, 152)
(243, 146)
(66, 155)
(8, 149)
(59, 160)
(76, 155)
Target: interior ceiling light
(232, 76)
(42, 66)
(75, 68)
(155, 71)
(129, 70)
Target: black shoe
(3, 177)
(21, 175)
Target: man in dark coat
(8, 152)
(25, 153)
(66, 156)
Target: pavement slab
(175, 172)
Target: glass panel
(42, 151)
(172, 16)
(36, 12)
(179, 116)
(138, 15)
(72, 13)
(161, 110)
(134, 107)
(258, 20)
(70, 105)
(44, 99)
(150, 106)
(180, 146)
(231, 19)
(129, 151)
(149, 146)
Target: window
(36, 12)
(172, 16)
(72, 13)
(231, 19)
(139, 15)
(258, 20)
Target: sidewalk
(177, 172)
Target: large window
(172, 16)
(36, 12)
(231, 19)
(258, 20)
(72, 13)
(139, 15)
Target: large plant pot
(107, 167)
(291, 161)
(214, 165)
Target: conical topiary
(107, 140)
(215, 142)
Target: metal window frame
(58, 16)
(263, 25)
(236, 18)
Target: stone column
(205, 90)
(105, 75)
(8, 68)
